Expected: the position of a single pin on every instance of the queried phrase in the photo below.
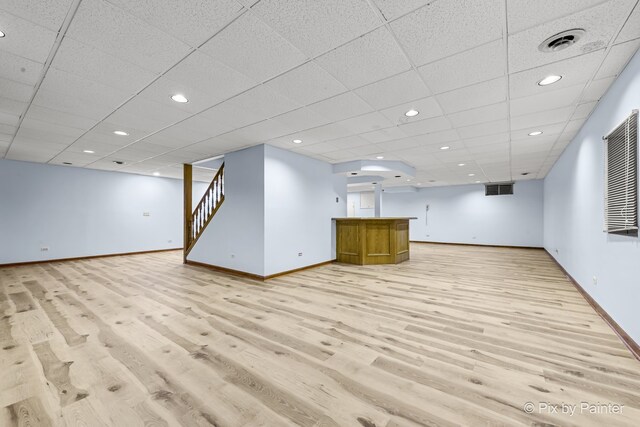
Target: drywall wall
(76, 212)
(574, 211)
(354, 208)
(235, 236)
(301, 196)
(463, 214)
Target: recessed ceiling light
(156, 174)
(379, 157)
(118, 162)
(89, 151)
(477, 182)
(297, 141)
(419, 183)
(536, 133)
(472, 174)
(549, 80)
(120, 132)
(1, 34)
(446, 147)
(178, 97)
(408, 180)
(412, 113)
(460, 164)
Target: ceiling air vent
(561, 41)
(498, 189)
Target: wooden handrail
(207, 207)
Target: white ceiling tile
(350, 142)
(252, 47)
(31, 154)
(394, 90)
(92, 64)
(583, 110)
(631, 29)
(478, 141)
(482, 129)
(307, 84)
(479, 115)
(445, 28)
(546, 101)
(596, 89)
(366, 123)
(617, 58)
(542, 118)
(12, 106)
(58, 117)
(323, 133)
(263, 102)
(599, 23)
(367, 59)
(145, 115)
(192, 21)
(476, 65)
(523, 14)
(301, 119)
(227, 116)
(478, 95)
(574, 71)
(9, 119)
(341, 107)
(16, 91)
(404, 143)
(421, 127)
(36, 129)
(392, 9)
(383, 135)
(427, 107)
(19, 69)
(488, 150)
(112, 30)
(49, 14)
(23, 38)
(317, 26)
(258, 132)
(7, 129)
(198, 78)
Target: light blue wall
(574, 211)
(300, 200)
(235, 236)
(81, 212)
(353, 201)
(463, 214)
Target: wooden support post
(188, 207)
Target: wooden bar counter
(366, 241)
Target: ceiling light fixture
(297, 141)
(446, 147)
(549, 80)
(379, 157)
(178, 97)
(118, 162)
(408, 180)
(89, 151)
(120, 132)
(460, 164)
(156, 174)
(419, 183)
(472, 174)
(412, 113)
(536, 133)
(477, 182)
(1, 34)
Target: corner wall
(574, 211)
(463, 214)
(300, 200)
(78, 212)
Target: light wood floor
(456, 336)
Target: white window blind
(621, 178)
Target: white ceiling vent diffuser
(561, 40)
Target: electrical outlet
(44, 248)
(595, 280)
(299, 253)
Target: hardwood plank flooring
(458, 335)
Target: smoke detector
(561, 40)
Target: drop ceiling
(337, 74)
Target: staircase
(205, 211)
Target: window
(498, 189)
(621, 178)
